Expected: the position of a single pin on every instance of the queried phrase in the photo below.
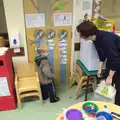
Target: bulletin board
(57, 29)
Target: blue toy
(106, 115)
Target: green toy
(90, 108)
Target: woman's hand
(110, 77)
(99, 74)
(109, 80)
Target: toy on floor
(90, 108)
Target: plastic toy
(101, 22)
(61, 118)
(106, 115)
(73, 114)
(90, 108)
(104, 23)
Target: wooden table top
(111, 107)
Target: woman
(107, 45)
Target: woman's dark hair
(87, 29)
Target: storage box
(7, 87)
(88, 55)
(7, 103)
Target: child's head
(43, 49)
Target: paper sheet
(62, 44)
(63, 62)
(51, 44)
(4, 89)
(51, 48)
(17, 50)
(62, 48)
(86, 6)
(62, 41)
(3, 50)
(62, 19)
(35, 20)
(64, 52)
(62, 56)
(50, 41)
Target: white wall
(78, 16)
(15, 22)
(3, 27)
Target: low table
(111, 107)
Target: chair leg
(40, 97)
(19, 102)
(71, 80)
(80, 85)
(93, 85)
(95, 81)
(41, 100)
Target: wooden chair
(81, 80)
(27, 82)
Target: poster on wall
(50, 38)
(4, 89)
(62, 19)
(63, 51)
(35, 20)
(63, 46)
(86, 6)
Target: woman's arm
(100, 53)
(100, 66)
(100, 69)
(101, 58)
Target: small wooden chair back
(26, 70)
(77, 77)
(79, 70)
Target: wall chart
(40, 16)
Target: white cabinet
(88, 55)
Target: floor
(33, 110)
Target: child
(45, 74)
